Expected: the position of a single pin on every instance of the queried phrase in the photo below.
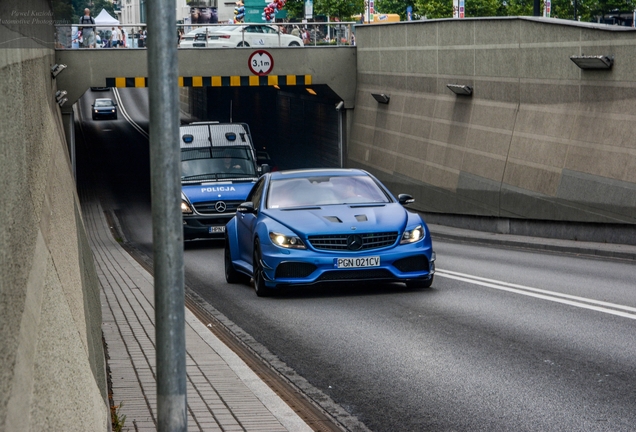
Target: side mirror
(114, 103)
(405, 199)
(246, 207)
(265, 168)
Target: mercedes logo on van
(220, 206)
(354, 242)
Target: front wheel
(294, 44)
(259, 279)
(420, 283)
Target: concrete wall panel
(535, 120)
(52, 365)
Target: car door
(246, 222)
(270, 36)
(254, 35)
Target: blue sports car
(326, 225)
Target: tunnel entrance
(297, 126)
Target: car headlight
(185, 208)
(285, 241)
(411, 236)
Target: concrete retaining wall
(52, 368)
(539, 139)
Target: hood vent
(361, 218)
(334, 219)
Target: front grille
(340, 241)
(341, 275)
(208, 207)
(294, 270)
(412, 264)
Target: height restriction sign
(261, 63)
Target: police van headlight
(185, 208)
(411, 236)
(285, 241)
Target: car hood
(337, 219)
(217, 191)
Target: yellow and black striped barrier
(218, 81)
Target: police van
(218, 169)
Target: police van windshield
(208, 163)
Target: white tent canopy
(104, 21)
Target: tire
(294, 43)
(115, 118)
(243, 44)
(231, 275)
(420, 283)
(259, 280)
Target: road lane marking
(581, 302)
(123, 111)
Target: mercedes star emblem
(220, 206)
(354, 242)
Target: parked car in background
(326, 226)
(188, 38)
(255, 35)
(104, 108)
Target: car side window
(256, 194)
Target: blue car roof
(312, 172)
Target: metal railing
(255, 35)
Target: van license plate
(217, 229)
(361, 262)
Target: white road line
(581, 302)
(123, 111)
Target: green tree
(484, 8)
(62, 11)
(341, 9)
(432, 9)
(394, 7)
(295, 9)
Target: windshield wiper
(203, 176)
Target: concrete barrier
(52, 366)
(538, 139)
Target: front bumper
(283, 267)
(104, 114)
(204, 227)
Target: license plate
(217, 229)
(361, 262)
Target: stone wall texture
(538, 139)
(52, 366)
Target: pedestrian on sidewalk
(88, 32)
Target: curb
(601, 250)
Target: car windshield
(205, 163)
(103, 103)
(319, 191)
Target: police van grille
(208, 207)
(339, 241)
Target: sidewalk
(222, 392)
